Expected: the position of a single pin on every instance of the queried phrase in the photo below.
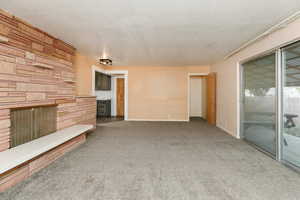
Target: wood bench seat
(16, 156)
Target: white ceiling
(154, 32)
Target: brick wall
(80, 111)
(37, 69)
(21, 82)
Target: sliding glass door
(270, 103)
(291, 104)
(259, 102)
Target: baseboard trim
(227, 131)
(158, 120)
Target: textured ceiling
(154, 32)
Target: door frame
(189, 90)
(239, 75)
(112, 72)
(278, 100)
(240, 87)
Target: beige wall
(158, 93)
(154, 93)
(82, 66)
(228, 80)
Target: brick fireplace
(36, 69)
(80, 110)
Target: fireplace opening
(28, 124)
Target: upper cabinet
(102, 81)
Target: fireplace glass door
(28, 124)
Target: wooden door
(120, 97)
(211, 98)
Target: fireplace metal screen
(31, 123)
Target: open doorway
(198, 106)
(202, 97)
(110, 89)
(110, 97)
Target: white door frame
(189, 90)
(112, 72)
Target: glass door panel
(259, 102)
(291, 104)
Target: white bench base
(16, 156)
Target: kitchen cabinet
(102, 81)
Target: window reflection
(291, 105)
(259, 102)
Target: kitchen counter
(85, 96)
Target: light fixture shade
(105, 61)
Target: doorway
(117, 99)
(198, 97)
(112, 100)
(202, 97)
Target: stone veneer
(22, 84)
(37, 69)
(81, 110)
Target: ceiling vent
(105, 61)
